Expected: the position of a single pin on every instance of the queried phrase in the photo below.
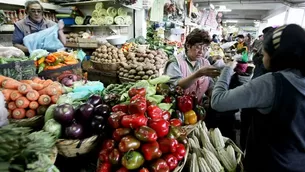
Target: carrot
(30, 113)
(53, 67)
(24, 88)
(22, 102)
(26, 81)
(33, 105)
(15, 95)
(2, 78)
(32, 95)
(11, 106)
(10, 83)
(18, 113)
(36, 80)
(44, 100)
(36, 86)
(9, 114)
(6, 93)
(50, 90)
(72, 62)
(46, 83)
(58, 87)
(54, 99)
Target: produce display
(108, 53)
(73, 37)
(210, 151)
(23, 151)
(29, 98)
(143, 64)
(55, 61)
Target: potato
(105, 56)
(153, 76)
(103, 47)
(130, 56)
(126, 71)
(152, 61)
(149, 72)
(94, 53)
(120, 51)
(100, 55)
(114, 60)
(107, 44)
(126, 75)
(141, 59)
(132, 71)
(99, 50)
(104, 50)
(121, 69)
(131, 76)
(139, 68)
(158, 66)
(150, 56)
(121, 74)
(141, 73)
(115, 56)
(138, 54)
(145, 77)
(137, 77)
(118, 60)
(154, 53)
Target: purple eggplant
(75, 131)
(102, 110)
(64, 114)
(95, 100)
(85, 112)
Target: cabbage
(49, 113)
(53, 127)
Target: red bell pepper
(151, 151)
(143, 170)
(104, 156)
(159, 166)
(114, 157)
(104, 167)
(180, 152)
(171, 161)
(114, 119)
(185, 103)
(120, 107)
(119, 133)
(175, 122)
(137, 105)
(146, 134)
(122, 169)
(168, 145)
(154, 112)
(129, 143)
(108, 145)
(137, 91)
(161, 126)
(134, 121)
(166, 115)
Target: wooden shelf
(76, 46)
(22, 2)
(92, 26)
(84, 2)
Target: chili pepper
(129, 143)
(175, 122)
(171, 161)
(167, 145)
(185, 103)
(180, 152)
(174, 132)
(145, 134)
(119, 133)
(151, 150)
(104, 167)
(115, 119)
(104, 156)
(161, 127)
(166, 115)
(200, 111)
(137, 105)
(190, 117)
(143, 169)
(154, 112)
(159, 166)
(134, 121)
(120, 107)
(179, 115)
(122, 169)
(132, 160)
(108, 145)
(114, 157)
(137, 91)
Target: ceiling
(246, 11)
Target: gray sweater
(259, 93)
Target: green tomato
(132, 160)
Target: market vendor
(33, 22)
(276, 139)
(191, 70)
(240, 46)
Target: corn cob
(194, 164)
(217, 139)
(206, 143)
(226, 160)
(212, 161)
(195, 139)
(203, 166)
(231, 154)
(203, 126)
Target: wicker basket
(53, 155)
(190, 128)
(34, 122)
(73, 148)
(126, 80)
(105, 66)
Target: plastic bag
(9, 52)
(244, 57)
(37, 54)
(3, 111)
(46, 39)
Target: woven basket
(73, 148)
(126, 80)
(105, 66)
(34, 122)
(53, 155)
(190, 128)
(240, 154)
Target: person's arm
(258, 93)
(62, 36)
(18, 40)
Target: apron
(202, 83)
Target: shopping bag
(244, 57)
(46, 39)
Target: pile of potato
(73, 37)
(108, 53)
(143, 65)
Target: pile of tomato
(144, 138)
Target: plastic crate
(68, 21)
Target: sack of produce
(17, 69)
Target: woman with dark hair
(191, 70)
(276, 141)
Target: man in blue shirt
(32, 23)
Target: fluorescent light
(212, 6)
(231, 21)
(224, 10)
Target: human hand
(232, 64)
(208, 71)
(61, 24)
